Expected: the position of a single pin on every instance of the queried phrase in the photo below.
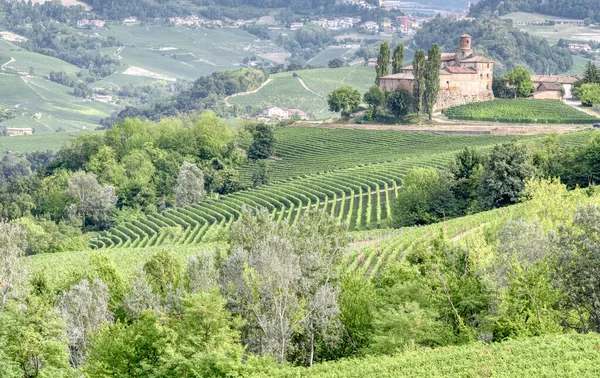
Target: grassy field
(550, 356)
(323, 58)
(37, 142)
(183, 53)
(520, 111)
(287, 91)
(553, 33)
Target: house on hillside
(296, 25)
(102, 98)
(130, 21)
(464, 77)
(83, 23)
(284, 114)
(578, 48)
(15, 131)
(372, 62)
(98, 23)
(564, 81)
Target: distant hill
(579, 9)
(498, 40)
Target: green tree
(591, 74)
(505, 174)
(263, 142)
(163, 270)
(344, 100)
(190, 185)
(432, 78)
(400, 102)
(419, 80)
(383, 62)
(261, 174)
(588, 94)
(398, 61)
(520, 80)
(426, 197)
(336, 63)
(374, 97)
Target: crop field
(520, 111)
(307, 150)
(361, 196)
(36, 142)
(184, 53)
(572, 355)
(325, 56)
(553, 33)
(287, 91)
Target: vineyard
(305, 150)
(551, 356)
(520, 111)
(361, 196)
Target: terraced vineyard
(360, 196)
(520, 111)
(307, 150)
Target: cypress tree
(383, 62)
(398, 62)
(591, 74)
(432, 78)
(419, 80)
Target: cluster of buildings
(337, 23)
(276, 113)
(18, 131)
(577, 48)
(191, 21)
(361, 3)
(85, 23)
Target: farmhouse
(565, 82)
(578, 48)
(464, 77)
(275, 112)
(548, 91)
(14, 131)
(102, 98)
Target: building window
(481, 76)
(488, 76)
(488, 65)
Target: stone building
(464, 77)
(565, 82)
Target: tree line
(588, 10)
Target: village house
(296, 25)
(372, 62)
(130, 21)
(284, 114)
(370, 25)
(565, 82)
(103, 98)
(15, 131)
(578, 48)
(548, 91)
(464, 77)
(98, 23)
(83, 23)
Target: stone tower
(465, 50)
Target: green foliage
(262, 174)
(520, 111)
(578, 9)
(432, 78)
(589, 94)
(374, 97)
(263, 142)
(419, 80)
(383, 62)
(426, 197)
(400, 102)
(344, 100)
(163, 271)
(398, 59)
(520, 80)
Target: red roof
(554, 79)
(448, 56)
(460, 70)
(549, 87)
(476, 59)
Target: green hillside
(287, 91)
(550, 356)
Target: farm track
(12, 60)
(246, 93)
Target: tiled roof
(549, 87)
(399, 76)
(460, 70)
(448, 56)
(476, 59)
(554, 79)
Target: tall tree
(374, 97)
(383, 62)
(94, 200)
(398, 61)
(520, 80)
(13, 273)
(419, 80)
(84, 310)
(591, 74)
(263, 142)
(190, 185)
(432, 78)
(344, 100)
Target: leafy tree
(504, 176)
(336, 63)
(501, 88)
(591, 74)
(94, 200)
(163, 270)
(261, 175)
(520, 80)
(140, 298)
(398, 61)
(467, 170)
(419, 80)
(201, 273)
(432, 78)
(374, 97)
(588, 94)
(190, 185)
(84, 309)
(383, 62)
(400, 102)
(13, 272)
(344, 100)
(426, 197)
(263, 142)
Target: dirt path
(246, 93)
(12, 60)
(489, 128)
(308, 89)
